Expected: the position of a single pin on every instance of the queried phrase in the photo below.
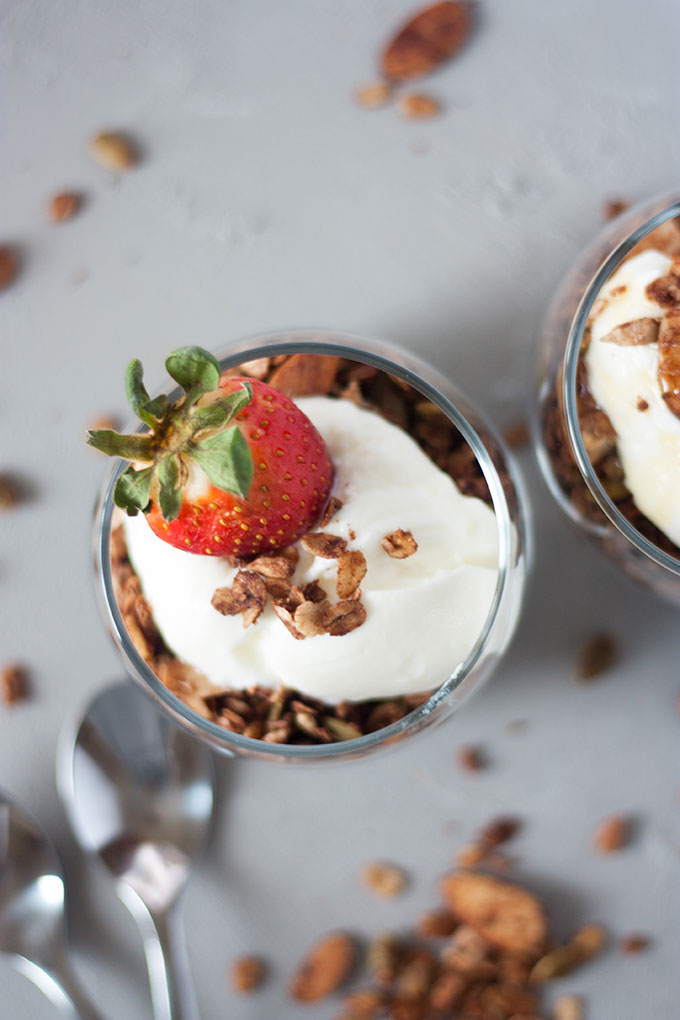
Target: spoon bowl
(139, 795)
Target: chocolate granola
(285, 715)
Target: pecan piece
(351, 572)
(64, 206)
(247, 974)
(325, 968)
(9, 265)
(247, 595)
(612, 834)
(427, 40)
(321, 543)
(418, 107)
(344, 617)
(669, 359)
(633, 334)
(399, 544)
(505, 915)
(13, 684)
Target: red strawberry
(252, 487)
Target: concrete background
(267, 199)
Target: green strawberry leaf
(111, 443)
(132, 492)
(136, 390)
(226, 460)
(156, 408)
(170, 493)
(222, 410)
(196, 370)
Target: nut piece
(499, 830)
(568, 1007)
(247, 595)
(633, 334)
(436, 924)
(9, 265)
(305, 375)
(344, 617)
(324, 969)
(504, 914)
(596, 657)
(612, 834)
(669, 358)
(613, 207)
(418, 107)
(247, 974)
(427, 40)
(384, 879)
(63, 206)
(586, 943)
(114, 151)
(399, 544)
(13, 684)
(373, 96)
(321, 543)
(351, 572)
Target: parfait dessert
(304, 546)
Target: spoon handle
(59, 984)
(172, 990)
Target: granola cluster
(285, 715)
(599, 436)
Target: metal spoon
(32, 913)
(139, 794)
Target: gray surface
(267, 199)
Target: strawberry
(232, 468)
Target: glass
(509, 504)
(559, 442)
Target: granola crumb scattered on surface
(384, 879)
(471, 758)
(114, 150)
(429, 38)
(9, 265)
(325, 968)
(416, 106)
(399, 544)
(633, 943)
(10, 493)
(612, 834)
(373, 96)
(64, 206)
(247, 974)
(14, 683)
(586, 943)
(516, 435)
(568, 1007)
(613, 207)
(597, 656)
(499, 830)
(436, 924)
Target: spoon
(139, 795)
(32, 912)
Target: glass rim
(571, 360)
(369, 352)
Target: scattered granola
(247, 974)
(399, 544)
(429, 38)
(597, 655)
(436, 924)
(64, 206)
(331, 510)
(351, 572)
(613, 207)
(9, 265)
(633, 943)
(471, 758)
(568, 1007)
(114, 150)
(384, 879)
(14, 684)
(321, 543)
(325, 968)
(344, 617)
(247, 595)
(374, 96)
(612, 834)
(505, 915)
(415, 106)
(586, 943)
(10, 493)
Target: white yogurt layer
(423, 613)
(648, 441)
